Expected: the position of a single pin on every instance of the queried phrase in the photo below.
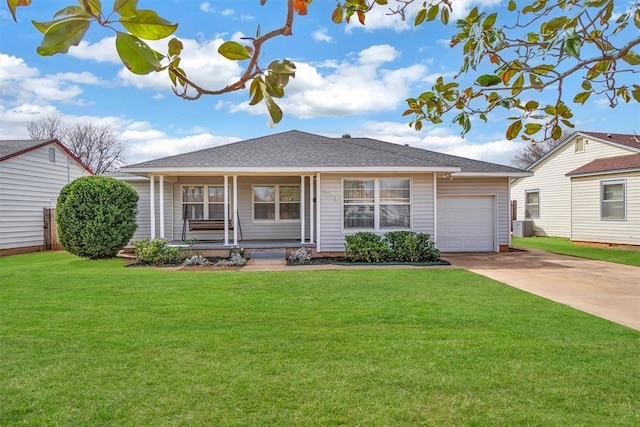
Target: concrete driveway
(607, 290)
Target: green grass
(92, 343)
(563, 246)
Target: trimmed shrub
(396, 246)
(157, 252)
(96, 216)
(408, 246)
(365, 246)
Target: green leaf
(582, 97)
(631, 58)
(531, 105)
(532, 128)
(487, 80)
(514, 129)
(275, 113)
(95, 7)
(433, 12)
(512, 6)
(61, 35)
(256, 91)
(586, 85)
(72, 11)
(136, 55)
(636, 18)
(420, 17)
(13, 4)
(233, 51)
(444, 15)
(125, 7)
(489, 21)
(337, 14)
(556, 23)
(175, 47)
(556, 133)
(636, 93)
(146, 24)
(571, 45)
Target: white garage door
(466, 224)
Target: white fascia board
(292, 170)
(608, 172)
(493, 174)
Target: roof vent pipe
(346, 135)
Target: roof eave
(607, 172)
(493, 174)
(287, 170)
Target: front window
(193, 202)
(276, 202)
(195, 205)
(532, 204)
(377, 203)
(612, 199)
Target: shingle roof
(304, 150)
(11, 148)
(618, 138)
(609, 164)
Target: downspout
(435, 209)
(318, 207)
(152, 206)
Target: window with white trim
(380, 203)
(203, 201)
(276, 202)
(532, 204)
(52, 155)
(612, 199)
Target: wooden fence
(51, 242)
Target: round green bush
(96, 216)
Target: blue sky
(350, 79)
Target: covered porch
(231, 211)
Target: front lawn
(559, 245)
(93, 343)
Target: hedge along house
(298, 189)
(32, 173)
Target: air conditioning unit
(522, 228)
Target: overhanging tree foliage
(577, 48)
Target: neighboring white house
(587, 189)
(295, 188)
(32, 173)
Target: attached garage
(466, 223)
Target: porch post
(319, 210)
(302, 211)
(235, 210)
(161, 191)
(226, 210)
(152, 205)
(311, 211)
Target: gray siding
(585, 211)
(143, 217)
(332, 235)
(28, 184)
(498, 187)
(555, 188)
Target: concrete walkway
(604, 289)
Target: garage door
(466, 224)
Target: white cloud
(227, 12)
(443, 140)
(14, 68)
(322, 35)
(143, 142)
(207, 8)
(101, 51)
(347, 88)
(198, 59)
(379, 17)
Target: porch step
(268, 254)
